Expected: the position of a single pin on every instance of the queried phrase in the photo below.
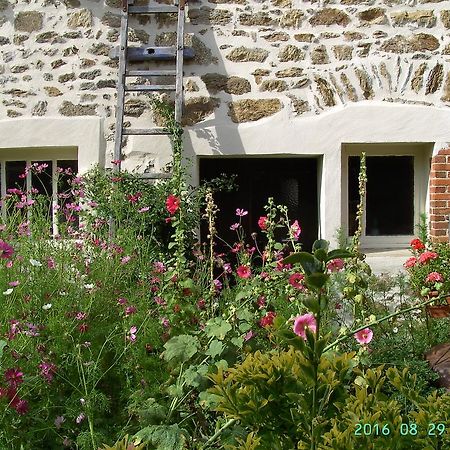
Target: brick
(440, 182)
(448, 159)
(438, 232)
(439, 189)
(438, 203)
(439, 239)
(439, 174)
(440, 211)
(445, 151)
(440, 166)
(439, 226)
(435, 218)
(438, 196)
(438, 159)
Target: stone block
(291, 53)
(244, 54)
(330, 16)
(250, 110)
(28, 21)
(80, 19)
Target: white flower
(395, 330)
(89, 286)
(8, 291)
(35, 263)
(47, 306)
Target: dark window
(290, 181)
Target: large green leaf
(316, 280)
(217, 328)
(181, 348)
(320, 244)
(163, 437)
(215, 348)
(309, 263)
(339, 253)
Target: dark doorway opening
(390, 195)
(290, 181)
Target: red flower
(335, 265)
(262, 222)
(417, 244)
(267, 320)
(21, 406)
(13, 377)
(410, 262)
(243, 272)
(172, 204)
(427, 256)
(434, 277)
(296, 280)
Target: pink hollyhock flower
(172, 204)
(241, 212)
(427, 256)
(295, 230)
(301, 323)
(243, 272)
(267, 320)
(234, 227)
(364, 336)
(410, 262)
(262, 222)
(296, 281)
(13, 377)
(434, 277)
(417, 244)
(335, 265)
(48, 370)
(6, 250)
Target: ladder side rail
(121, 83)
(179, 62)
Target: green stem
(383, 319)
(219, 432)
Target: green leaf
(316, 280)
(321, 254)
(217, 328)
(242, 294)
(194, 375)
(320, 244)
(309, 263)
(181, 348)
(238, 341)
(222, 365)
(215, 348)
(163, 437)
(278, 246)
(312, 303)
(3, 344)
(339, 253)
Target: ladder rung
(152, 9)
(146, 88)
(145, 131)
(155, 176)
(150, 73)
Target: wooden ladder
(135, 54)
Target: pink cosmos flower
(249, 335)
(434, 277)
(301, 323)
(6, 250)
(165, 322)
(9, 264)
(144, 209)
(335, 265)
(241, 212)
(129, 310)
(217, 284)
(132, 334)
(14, 283)
(172, 204)
(427, 256)
(234, 227)
(48, 370)
(80, 315)
(80, 418)
(243, 272)
(364, 336)
(159, 267)
(262, 222)
(21, 406)
(261, 302)
(267, 320)
(410, 262)
(51, 263)
(59, 421)
(13, 377)
(295, 230)
(121, 301)
(201, 304)
(296, 281)
(125, 259)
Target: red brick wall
(440, 196)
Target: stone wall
(254, 58)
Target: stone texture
(445, 18)
(343, 52)
(4, 40)
(231, 85)
(373, 16)
(191, 86)
(69, 109)
(244, 54)
(100, 49)
(291, 19)
(282, 3)
(134, 107)
(250, 110)
(278, 36)
(353, 36)
(435, 79)
(81, 18)
(349, 89)
(365, 83)
(4, 4)
(325, 91)
(111, 20)
(103, 84)
(363, 49)
(446, 90)
(66, 77)
(257, 19)
(28, 21)
(420, 42)
(304, 37)
(48, 36)
(330, 16)
(291, 53)
(424, 18)
(446, 50)
(273, 85)
(291, 72)
(209, 16)
(319, 55)
(72, 35)
(39, 109)
(52, 91)
(20, 68)
(417, 80)
(90, 75)
(259, 74)
(299, 106)
(85, 63)
(197, 109)
(57, 63)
